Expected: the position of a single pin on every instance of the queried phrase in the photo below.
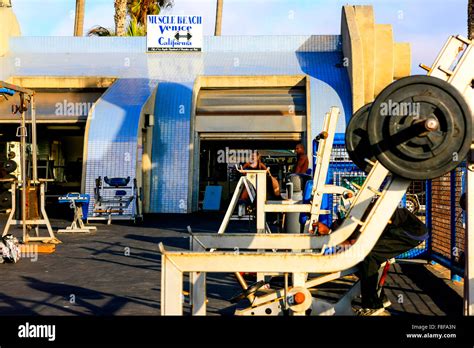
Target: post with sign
(174, 33)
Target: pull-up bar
(8, 86)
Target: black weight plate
(402, 144)
(5, 200)
(6, 185)
(9, 166)
(357, 140)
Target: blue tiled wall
(112, 148)
(170, 150)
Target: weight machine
(255, 183)
(32, 189)
(76, 202)
(115, 199)
(393, 150)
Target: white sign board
(174, 33)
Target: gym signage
(174, 33)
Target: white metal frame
(32, 222)
(273, 303)
(454, 64)
(174, 264)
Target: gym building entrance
(220, 160)
(238, 116)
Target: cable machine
(32, 189)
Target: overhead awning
(252, 101)
(55, 105)
(262, 110)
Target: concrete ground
(116, 271)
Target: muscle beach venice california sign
(174, 33)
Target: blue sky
(426, 24)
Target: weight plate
(6, 185)
(357, 140)
(399, 126)
(5, 200)
(9, 166)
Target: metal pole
(34, 139)
(469, 242)
(23, 167)
(469, 230)
(79, 18)
(218, 25)
(241, 280)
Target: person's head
(299, 149)
(255, 157)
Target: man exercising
(302, 162)
(403, 232)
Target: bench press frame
(198, 263)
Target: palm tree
(79, 18)
(135, 29)
(218, 28)
(136, 11)
(470, 19)
(120, 16)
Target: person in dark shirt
(302, 162)
(404, 232)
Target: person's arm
(305, 164)
(302, 165)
